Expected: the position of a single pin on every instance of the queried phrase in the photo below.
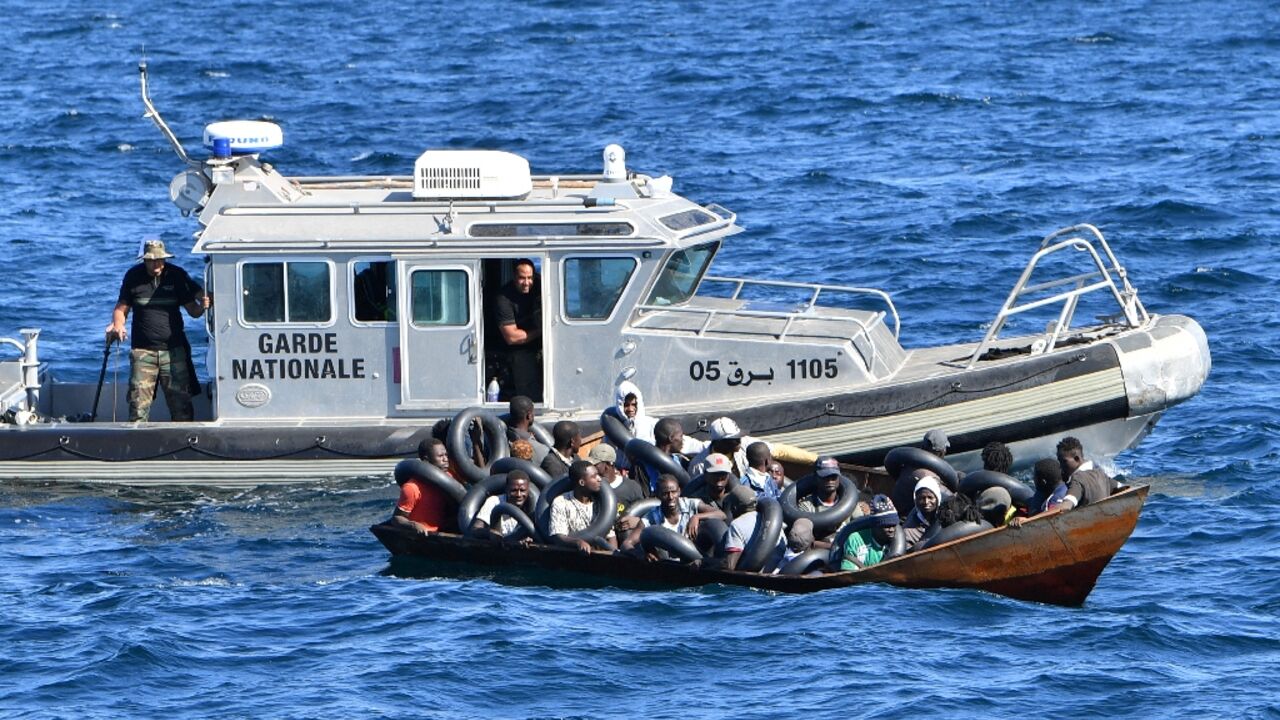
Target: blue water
(922, 148)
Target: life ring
(824, 521)
(413, 468)
(606, 511)
(495, 437)
(807, 562)
(915, 458)
(524, 526)
(537, 476)
(664, 538)
(954, 531)
(764, 539)
(644, 452)
(615, 430)
(975, 482)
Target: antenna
(154, 115)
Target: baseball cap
(826, 466)
(603, 453)
(718, 463)
(725, 429)
(937, 440)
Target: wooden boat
(1054, 558)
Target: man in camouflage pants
(155, 290)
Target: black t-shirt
(523, 309)
(156, 307)
(628, 492)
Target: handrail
(817, 291)
(1126, 295)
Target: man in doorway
(518, 313)
(155, 291)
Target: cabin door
(440, 357)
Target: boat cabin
(374, 297)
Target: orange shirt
(425, 504)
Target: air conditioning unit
(470, 175)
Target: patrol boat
(351, 313)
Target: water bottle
(491, 392)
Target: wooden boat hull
(1053, 559)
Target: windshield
(681, 275)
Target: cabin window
(373, 291)
(683, 272)
(440, 297)
(592, 286)
(595, 229)
(688, 219)
(286, 292)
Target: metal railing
(789, 317)
(1103, 277)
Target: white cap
(725, 429)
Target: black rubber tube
(974, 483)
(664, 538)
(475, 497)
(955, 531)
(806, 562)
(914, 458)
(897, 546)
(426, 472)
(524, 526)
(537, 475)
(641, 507)
(641, 451)
(837, 544)
(824, 521)
(764, 539)
(615, 430)
(495, 436)
(606, 511)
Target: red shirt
(425, 504)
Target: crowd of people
(711, 494)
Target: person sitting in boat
(936, 442)
(518, 315)
(779, 474)
(928, 496)
(756, 477)
(156, 291)
(519, 420)
(740, 533)
(996, 505)
(721, 490)
(566, 438)
(625, 490)
(628, 406)
(680, 514)
(726, 439)
(669, 438)
(1085, 482)
(522, 449)
(826, 493)
(423, 507)
(574, 510)
(799, 540)
(866, 547)
(996, 457)
(516, 493)
(473, 439)
(1050, 489)
(434, 452)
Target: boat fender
(642, 451)
(657, 537)
(974, 483)
(764, 539)
(615, 430)
(641, 507)
(537, 476)
(495, 438)
(524, 526)
(954, 531)
(601, 522)
(913, 458)
(475, 497)
(811, 560)
(428, 473)
(824, 521)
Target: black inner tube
(606, 511)
(495, 437)
(824, 521)
(641, 507)
(806, 562)
(524, 526)
(537, 476)
(764, 539)
(914, 458)
(664, 538)
(974, 483)
(954, 531)
(426, 472)
(643, 452)
(615, 429)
